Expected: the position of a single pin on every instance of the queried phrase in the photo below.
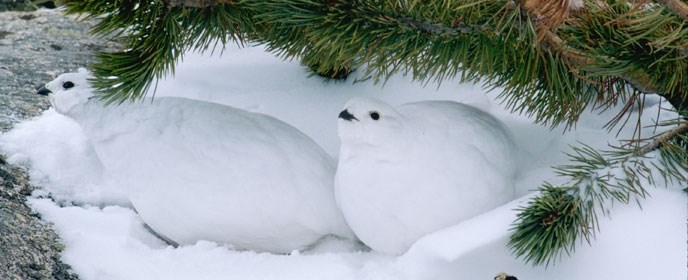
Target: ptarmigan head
(369, 121)
(68, 90)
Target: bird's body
(423, 166)
(202, 171)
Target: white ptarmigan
(408, 171)
(203, 171)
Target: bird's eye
(67, 85)
(374, 115)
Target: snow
(49, 144)
(105, 239)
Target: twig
(441, 29)
(639, 79)
(659, 140)
(676, 6)
(196, 3)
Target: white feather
(419, 168)
(274, 191)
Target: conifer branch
(679, 7)
(553, 223)
(557, 13)
(563, 78)
(440, 29)
(642, 83)
(196, 3)
(660, 140)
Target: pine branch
(641, 82)
(486, 41)
(679, 7)
(156, 37)
(432, 50)
(577, 60)
(679, 101)
(554, 222)
(196, 3)
(660, 140)
(441, 29)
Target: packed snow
(105, 239)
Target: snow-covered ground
(105, 239)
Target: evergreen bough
(552, 58)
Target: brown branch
(642, 83)
(441, 29)
(660, 140)
(547, 16)
(196, 3)
(678, 101)
(678, 7)
(548, 38)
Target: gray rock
(34, 48)
(29, 248)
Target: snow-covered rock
(410, 171)
(203, 171)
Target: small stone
(504, 276)
(41, 20)
(4, 34)
(27, 17)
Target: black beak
(43, 91)
(347, 116)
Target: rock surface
(34, 48)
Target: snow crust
(105, 239)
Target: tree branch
(440, 29)
(678, 7)
(659, 140)
(641, 82)
(196, 3)
(576, 59)
(678, 101)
